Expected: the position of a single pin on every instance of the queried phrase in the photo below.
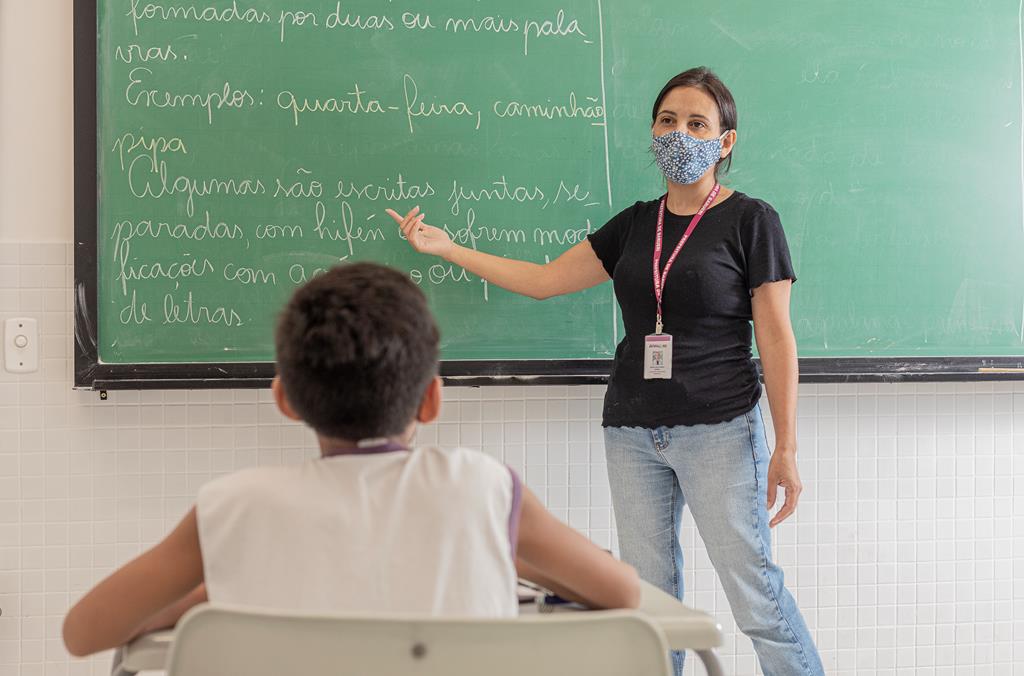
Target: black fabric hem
(604, 264)
(680, 422)
(769, 280)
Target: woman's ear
(282, 400)
(430, 405)
(728, 141)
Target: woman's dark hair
(702, 78)
(356, 348)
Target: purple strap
(515, 512)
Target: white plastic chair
(221, 641)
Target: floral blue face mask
(683, 158)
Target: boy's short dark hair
(356, 348)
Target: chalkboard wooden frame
(575, 372)
(91, 374)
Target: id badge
(658, 356)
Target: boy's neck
(331, 446)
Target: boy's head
(357, 351)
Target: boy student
(371, 526)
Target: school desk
(684, 627)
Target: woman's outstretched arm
(577, 269)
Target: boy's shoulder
(466, 477)
(458, 454)
(456, 463)
(459, 459)
(450, 485)
(265, 479)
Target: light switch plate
(21, 345)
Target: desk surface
(684, 627)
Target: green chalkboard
(243, 145)
(887, 135)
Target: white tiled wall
(906, 554)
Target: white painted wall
(36, 120)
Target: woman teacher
(682, 423)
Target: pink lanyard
(661, 277)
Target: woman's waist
(707, 350)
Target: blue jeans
(720, 471)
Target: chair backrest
(220, 641)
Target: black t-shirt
(737, 246)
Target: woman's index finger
(399, 218)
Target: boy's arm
(114, 610)
(561, 559)
(169, 616)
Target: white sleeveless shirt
(426, 531)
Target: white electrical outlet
(21, 345)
